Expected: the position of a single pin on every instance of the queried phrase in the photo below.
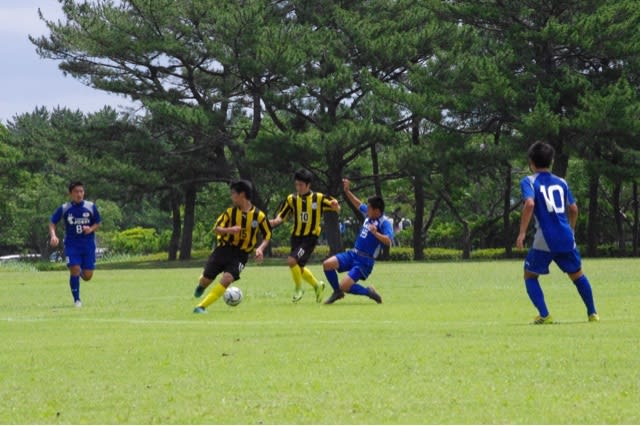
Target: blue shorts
(83, 255)
(359, 267)
(538, 261)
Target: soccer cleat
(199, 310)
(543, 320)
(297, 295)
(373, 294)
(594, 317)
(319, 289)
(77, 303)
(198, 291)
(336, 295)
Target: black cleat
(336, 295)
(373, 294)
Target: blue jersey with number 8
(552, 198)
(76, 216)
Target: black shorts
(302, 247)
(225, 259)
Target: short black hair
(242, 186)
(541, 154)
(303, 175)
(376, 202)
(75, 183)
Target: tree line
(430, 104)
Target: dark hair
(376, 202)
(303, 175)
(73, 184)
(241, 186)
(541, 154)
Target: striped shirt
(250, 222)
(306, 211)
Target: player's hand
(335, 205)
(259, 255)
(520, 241)
(346, 184)
(372, 227)
(86, 229)
(54, 241)
(234, 229)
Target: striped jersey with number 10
(307, 212)
(250, 222)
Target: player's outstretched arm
(355, 201)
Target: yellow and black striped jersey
(307, 211)
(251, 222)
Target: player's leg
(231, 262)
(573, 262)
(88, 263)
(216, 292)
(331, 267)
(296, 274)
(74, 262)
(74, 284)
(360, 271)
(211, 269)
(537, 263)
(307, 245)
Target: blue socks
(584, 288)
(537, 297)
(332, 277)
(74, 283)
(359, 290)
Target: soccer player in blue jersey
(376, 231)
(548, 199)
(81, 219)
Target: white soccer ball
(232, 296)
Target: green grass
(451, 344)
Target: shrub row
(406, 253)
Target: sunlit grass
(451, 344)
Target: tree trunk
(376, 170)
(592, 226)
(418, 219)
(506, 212)
(636, 221)
(332, 232)
(619, 219)
(466, 240)
(561, 160)
(189, 221)
(176, 228)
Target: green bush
(136, 240)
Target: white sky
(28, 81)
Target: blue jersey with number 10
(552, 198)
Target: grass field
(451, 344)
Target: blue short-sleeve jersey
(75, 216)
(366, 241)
(552, 198)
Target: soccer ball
(232, 296)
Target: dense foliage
(430, 104)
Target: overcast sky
(28, 81)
